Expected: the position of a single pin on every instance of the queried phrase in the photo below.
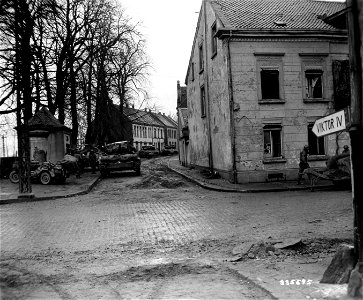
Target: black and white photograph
(195, 149)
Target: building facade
(150, 129)
(260, 73)
(170, 129)
(48, 135)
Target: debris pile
(282, 249)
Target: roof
(167, 121)
(140, 117)
(43, 119)
(267, 14)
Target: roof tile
(262, 14)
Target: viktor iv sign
(330, 124)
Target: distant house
(170, 128)
(183, 129)
(260, 73)
(146, 129)
(48, 135)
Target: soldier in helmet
(345, 149)
(303, 162)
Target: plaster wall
(214, 77)
(56, 146)
(292, 112)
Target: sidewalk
(224, 185)
(73, 186)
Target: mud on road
(190, 260)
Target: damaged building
(260, 73)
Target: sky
(168, 27)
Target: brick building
(260, 73)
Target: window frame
(203, 110)
(201, 58)
(308, 87)
(314, 62)
(273, 127)
(214, 40)
(192, 71)
(270, 62)
(320, 141)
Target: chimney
(133, 105)
(164, 114)
(127, 106)
(178, 93)
(149, 110)
(145, 109)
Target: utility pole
(355, 28)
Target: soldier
(345, 149)
(303, 163)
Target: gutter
(207, 88)
(231, 111)
(273, 33)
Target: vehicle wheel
(103, 173)
(14, 177)
(45, 177)
(138, 172)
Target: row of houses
(260, 73)
(151, 129)
(143, 127)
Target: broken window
(314, 83)
(272, 141)
(202, 101)
(270, 85)
(316, 145)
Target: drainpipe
(206, 84)
(231, 110)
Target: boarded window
(270, 85)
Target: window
(270, 85)
(214, 39)
(270, 77)
(154, 132)
(314, 83)
(192, 71)
(316, 145)
(272, 141)
(201, 58)
(202, 101)
(314, 66)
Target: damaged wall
(293, 111)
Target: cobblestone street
(128, 222)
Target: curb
(87, 189)
(228, 190)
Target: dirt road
(159, 236)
